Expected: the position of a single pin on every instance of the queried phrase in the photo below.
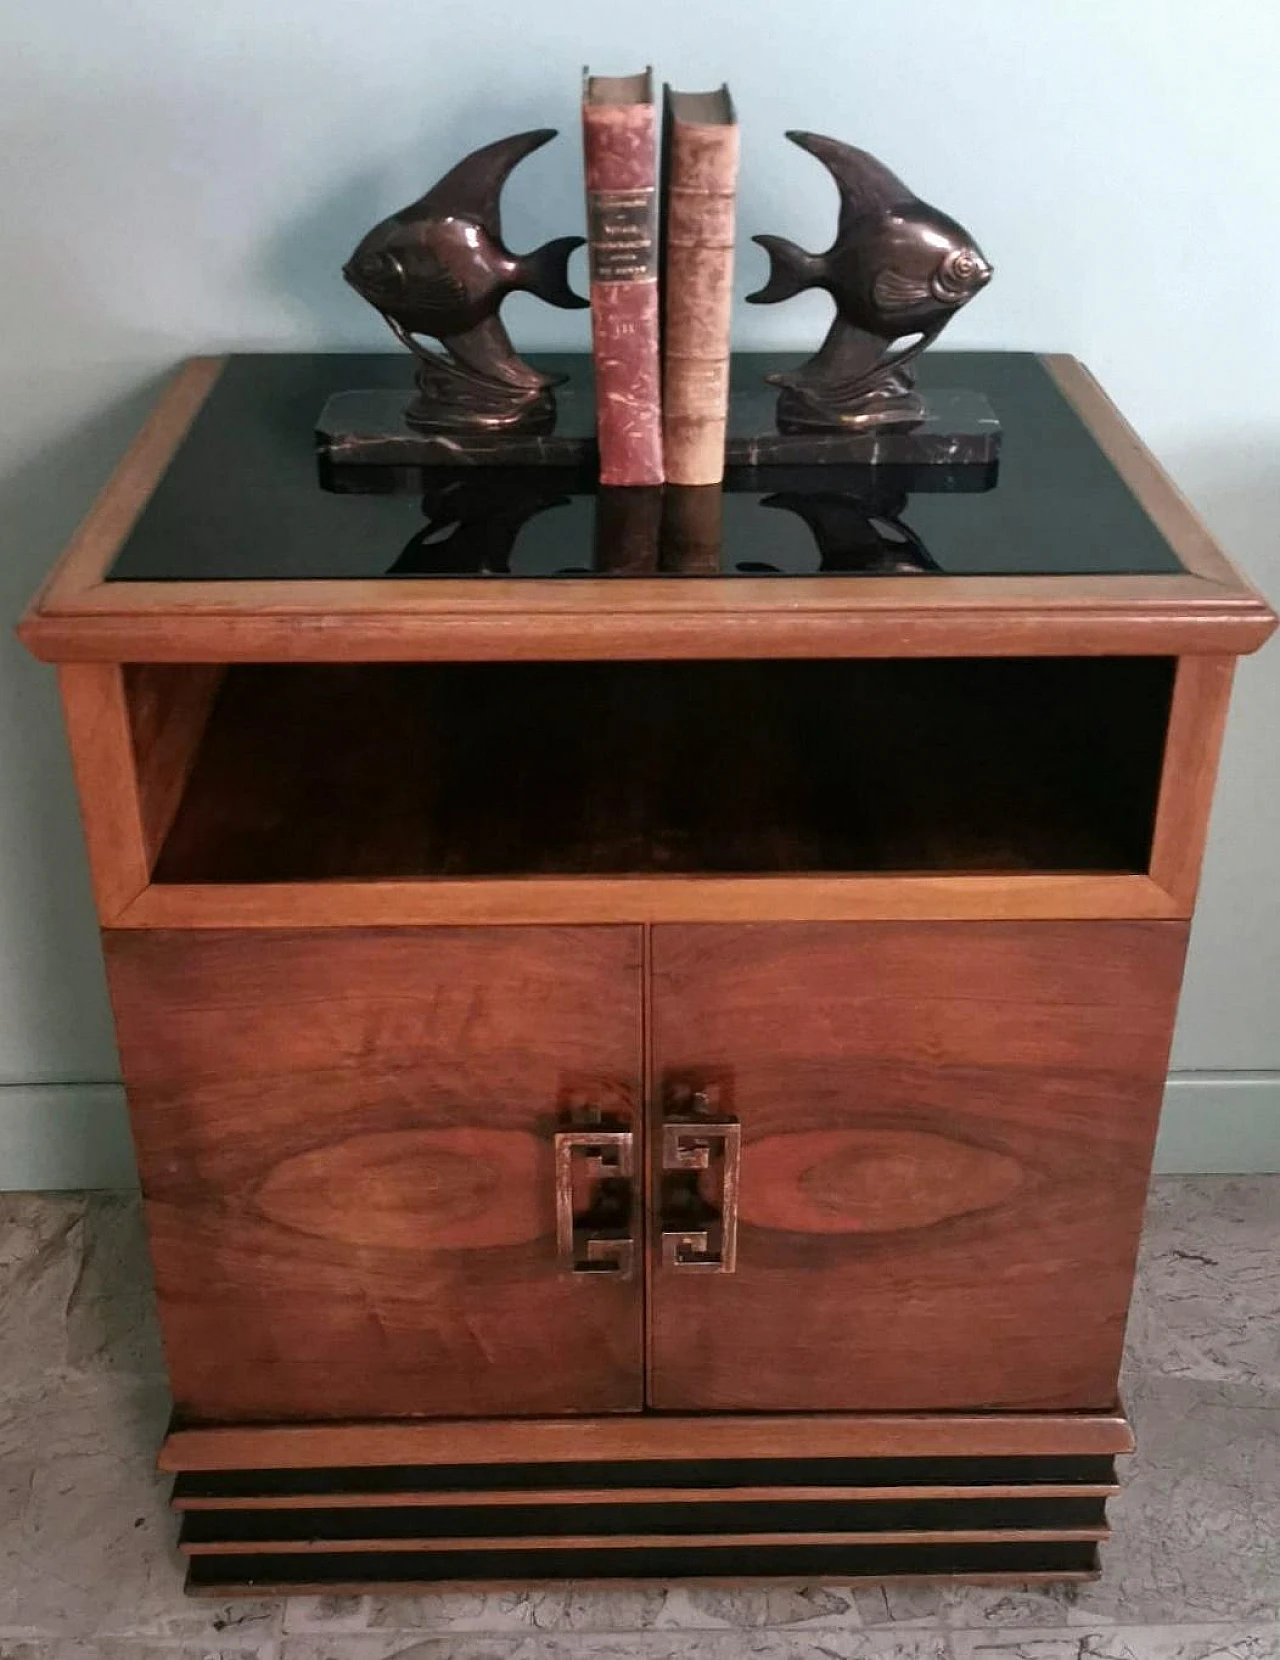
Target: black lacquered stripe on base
(266, 1528)
(794, 1519)
(339, 1571)
(406, 1480)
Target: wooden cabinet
(347, 1145)
(946, 1130)
(382, 1167)
(645, 1075)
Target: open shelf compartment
(352, 772)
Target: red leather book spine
(620, 148)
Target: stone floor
(87, 1566)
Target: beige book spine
(702, 190)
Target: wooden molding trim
(888, 617)
(573, 1440)
(96, 713)
(585, 899)
(1197, 720)
(640, 1541)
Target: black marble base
(960, 428)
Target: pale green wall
(178, 179)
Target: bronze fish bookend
(440, 268)
(898, 271)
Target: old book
(620, 147)
(699, 185)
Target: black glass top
(245, 498)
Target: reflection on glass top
(540, 522)
(244, 499)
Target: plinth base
(356, 428)
(296, 1513)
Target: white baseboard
(1220, 1123)
(55, 1136)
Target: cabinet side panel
(346, 1149)
(946, 1138)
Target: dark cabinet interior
(317, 772)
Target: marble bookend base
(959, 429)
(368, 428)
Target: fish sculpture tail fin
(546, 272)
(791, 271)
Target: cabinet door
(945, 1135)
(350, 1145)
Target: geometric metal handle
(595, 1173)
(701, 1160)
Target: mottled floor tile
(1197, 1526)
(1198, 1523)
(794, 1608)
(75, 1289)
(1009, 1607)
(331, 1616)
(899, 1605)
(645, 1645)
(41, 1251)
(71, 1416)
(87, 1549)
(582, 1608)
(1207, 1302)
(129, 1648)
(1221, 1642)
(110, 1316)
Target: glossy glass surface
(244, 498)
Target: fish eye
(383, 267)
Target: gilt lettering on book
(700, 172)
(619, 144)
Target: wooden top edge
(78, 616)
(318, 636)
(868, 599)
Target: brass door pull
(701, 1157)
(595, 1178)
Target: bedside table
(644, 1017)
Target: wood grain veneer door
(946, 1132)
(346, 1142)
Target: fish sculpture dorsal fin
(866, 185)
(473, 189)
